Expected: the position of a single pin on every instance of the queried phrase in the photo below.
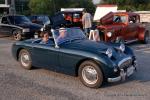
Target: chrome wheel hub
(17, 36)
(89, 74)
(25, 60)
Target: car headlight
(109, 52)
(122, 47)
(35, 35)
(42, 29)
(26, 30)
(109, 34)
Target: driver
(45, 38)
(62, 34)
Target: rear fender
(141, 34)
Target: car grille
(125, 63)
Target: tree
(52, 6)
(41, 6)
(130, 4)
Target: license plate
(35, 36)
(130, 70)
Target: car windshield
(68, 35)
(119, 19)
(19, 19)
(44, 19)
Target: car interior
(133, 19)
(119, 19)
(40, 39)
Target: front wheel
(25, 59)
(17, 35)
(90, 74)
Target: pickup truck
(122, 26)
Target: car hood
(86, 45)
(31, 26)
(107, 19)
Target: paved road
(40, 84)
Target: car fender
(105, 64)
(141, 34)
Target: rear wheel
(90, 74)
(146, 37)
(25, 59)
(17, 35)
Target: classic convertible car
(72, 53)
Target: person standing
(86, 22)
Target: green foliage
(130, 4)
(2, 1)
(52, 6)
(40, 6)
(134, 5)
(83, 4)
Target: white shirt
(87, 20)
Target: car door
(127, 32)
(121, 22)
(127, 29)
(132, 27)
(5, 27)
(45, 56)
(68, 59)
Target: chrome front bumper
(124, 74)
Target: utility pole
(6, 2)
(12, 9)
(54, 6)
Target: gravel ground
(40, 84)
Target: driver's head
(62, 32)
(45, 37)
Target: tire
(84, 70)
(25, 59)
(146, 37)
(17, 35)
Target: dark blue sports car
(72, 53)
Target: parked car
(74, 54)
(122, 26)
(113, 27)
(39, 19)
(73, 16)
(18, 26)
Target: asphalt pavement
(17, 83)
